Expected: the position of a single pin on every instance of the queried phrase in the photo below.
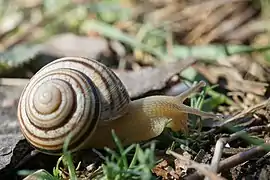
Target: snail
(84, 97)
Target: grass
(135, 162)
(116, 165)
(148, 39)
(132, 162)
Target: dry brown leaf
(69, 44)
(247, 30)
(233, 79)
(164, 170)
(245, 64)
(151, 78)
(228, 25)
(159, 169)
(213, 20)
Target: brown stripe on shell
(115, 106)
(111, 109)
(67, 116)
(100, 71)
(107, 106)
(59, 146)
(122, 95)
(110, 85)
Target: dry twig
(197, 166)
(246, 111)
(237, 159)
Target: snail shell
(69, 95)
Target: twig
(244, 156)
(199, 157)
(228, 25)
(195, 165)
(209, 5)
(258, 128)
(222, 141)
(232, 151)
(253, 27)
(213, 20)
(217, 154)
(243, 113)
(266, 156)
(246, 111)
(236, 159)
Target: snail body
(84, 97)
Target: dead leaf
(159, 169)
(234, 80)
(90, 47)
(165, 171)
(137, 82)
(151, 79)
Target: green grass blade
(68, 158)
(134, 159)
(213, 52)
(121, 150)
(114, 33)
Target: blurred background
(228, 39)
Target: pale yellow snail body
(84, 97)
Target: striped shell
(69, 95)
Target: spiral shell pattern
(69, 95)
